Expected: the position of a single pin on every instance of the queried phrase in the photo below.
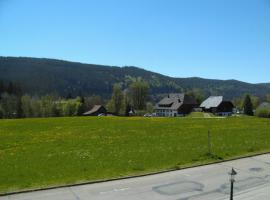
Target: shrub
(263, 112)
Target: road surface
(209, 182)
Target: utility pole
(209, 143)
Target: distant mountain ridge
(45, 76)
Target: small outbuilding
(264, 105)
(96, 110)
(217, 105)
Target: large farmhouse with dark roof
(217, 105)
(175, 105)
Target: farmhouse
(96, 110)
(175, 105)
(217, 105)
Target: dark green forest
(40, 76)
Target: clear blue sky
(223, 39)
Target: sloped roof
(93, 110)
(264, 105)
(174, 100)
(212, 102)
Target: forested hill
(46, 76)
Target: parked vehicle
(147, 115)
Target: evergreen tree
(17, 90)
(69, 96)
(19, 110)
(2, 88)
(10, 88)
(1, 112)
(247, 105)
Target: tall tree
(238, 102)
(139, 91)
(247, 105)
(69, 96)
(36, 107)
(126, 105)
(197, 94)
(89, 102)
(268, 98)
(1, 112)
(255, 101)
(2, 87)
(56, 110)
(46, 106)
(27, 106)
(116, 101)
(19, 110)
(149, 107)
(9, 105)
(10, 88)
(81, 107)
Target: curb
(129, 177)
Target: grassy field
(38, 153)
(201, 115)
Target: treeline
(252, 105)
(10, 100)
(135, 97)
(15, 104)
(255, 100)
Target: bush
(263, 112)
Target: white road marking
(187, 175)
(114, 190)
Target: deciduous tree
(139, 91)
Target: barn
(217, 105)
(96, 110)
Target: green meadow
(37, 153)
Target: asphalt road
(209, 182)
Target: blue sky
(220, 39)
